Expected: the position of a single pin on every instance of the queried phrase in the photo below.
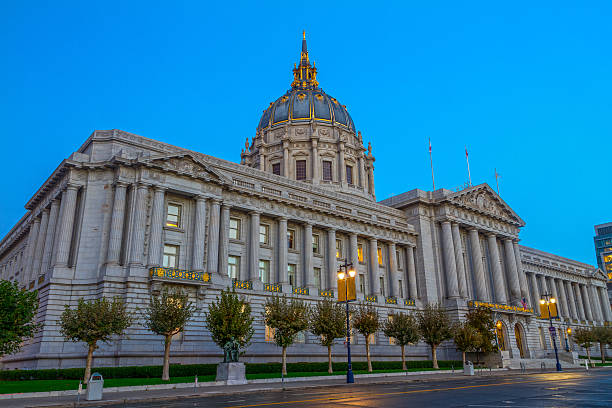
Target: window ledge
(236, 241)
(175, 229)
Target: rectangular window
(380, 258)
(291, 239)
(398, 259)
(360, 252)
(269, 335)
(315, 244)
(382, 286)
(264, 234)
(291, 274)
(171, 254)
(362, 283)
(234, 228)
(349, 174)
(173, 215)
(317, 278)
(233, 267)
(264, 271)
(300, 169)
(327, 170)
(400, 285)
(372, 338)
(276, 168)
(338, 248)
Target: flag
(430, 145)
(524, 302)
(466, 153)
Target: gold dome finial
(303, 34)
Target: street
(567, 389)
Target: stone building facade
(125, 215)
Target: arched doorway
(501, 333)
(519, 335)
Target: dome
(303, 105)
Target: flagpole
(433, 181)
(468, 167)
(497, 181)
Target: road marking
(394, 393)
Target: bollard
(586, 365)
(195, 384)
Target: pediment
(599, 274)
(185, 164)
(484, 200)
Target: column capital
(306, 223)
(445, 222)
(281, 218)
(491, 235)
(473, 230)
(225, 205)
(142, 185)
(121, 183)
(201, 197)
(160, 189)
(216, 200)
(331, 229)
(72, 186)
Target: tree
(167, 315)
(287, 319)
(584, 338)
(403, 328)
(602, 335)
(17, 311)
(366, 321)
(94, 321)
(229, 318)
(466, 338)
(434, 328)
(481, 319)
(328, 322)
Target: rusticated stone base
(231, 373)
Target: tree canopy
(229, 317)
(367, 322)
(328, 322)
(434, 328)
(404, 330)
(18, 309)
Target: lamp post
(343, 274)
(568, 332)
(548, 300)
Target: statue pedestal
(231, 373)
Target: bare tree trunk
(434, 357)
(603, 352)
(368, 354)
(329, 360)
(284, 361)
(463, 355)
(90, 351)
(403, 358)
(166, 369)
(588, 354)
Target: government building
(125, 216)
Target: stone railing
(240, 284)
(390, 301)
(179, 275)
(326, 293)
(300, 291)
(271, 287)
(371, 298)
(500, 307)
(408, 302)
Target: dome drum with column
(309, 136)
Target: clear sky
(525, 85)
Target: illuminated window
(338, 248)
(392, 340)
(233, 266)
(300, 337)
(276, 169)
(315, 244)
(380, 257)
(349, 174)
(264, 234)
(317, 278)
(264, 271)
(300, 170)
(372, 338)
(327, 170)
(269, 333)
(291, 274)
(400, 285)
(382, 286)
(234, 228)
(291, 239)
(173, 215)
(171, 254)
(360, 252)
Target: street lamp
(548, 300)
(568, 332)
(343, 274)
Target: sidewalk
(168, 392)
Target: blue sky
(526, 87)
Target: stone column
(308, 271)
(253, 246)
(587, 303)
(410, 269)
(375, 282)
(512, 272)
(69, 197)
(40, 246)
(157, 226)
(522, 276)
(458, 246)
(362, 175)
(332, 267)
(605, 303)
(224, 239)
(562, 298)
(498, 278)
(371, 173)
(543, 287)
(199, 235)
(393, 281)
(32, 237)
(138, 230)
(48, 251)
(572, 300)
(576, 288)
(315, 163)
(448, 253)
(552, 284)
(117, 221)
(594, 296)
(212, 256)
(286, 158)
(479, 275)
(282, 273)
(535, 295)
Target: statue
(231, 351)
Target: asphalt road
(571, 389)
